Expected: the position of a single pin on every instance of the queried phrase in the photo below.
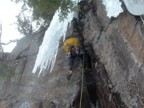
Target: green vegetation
(5, 72)
(42, 12)
(45, 9)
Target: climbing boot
(69, 75)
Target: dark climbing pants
(71, 62)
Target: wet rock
(50, 90)
(114, 68)
(119, 45)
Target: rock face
(23, 89)
(113, 66)
(16, 89)
(119, 45)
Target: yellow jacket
(70, 42)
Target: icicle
(48, 50)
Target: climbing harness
(82, 83)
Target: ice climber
(72, 48)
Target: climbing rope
(82, 83)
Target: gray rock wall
(117, 58)
(50, 90)
(119, 43)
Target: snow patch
(113, 7)
(135, 7)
